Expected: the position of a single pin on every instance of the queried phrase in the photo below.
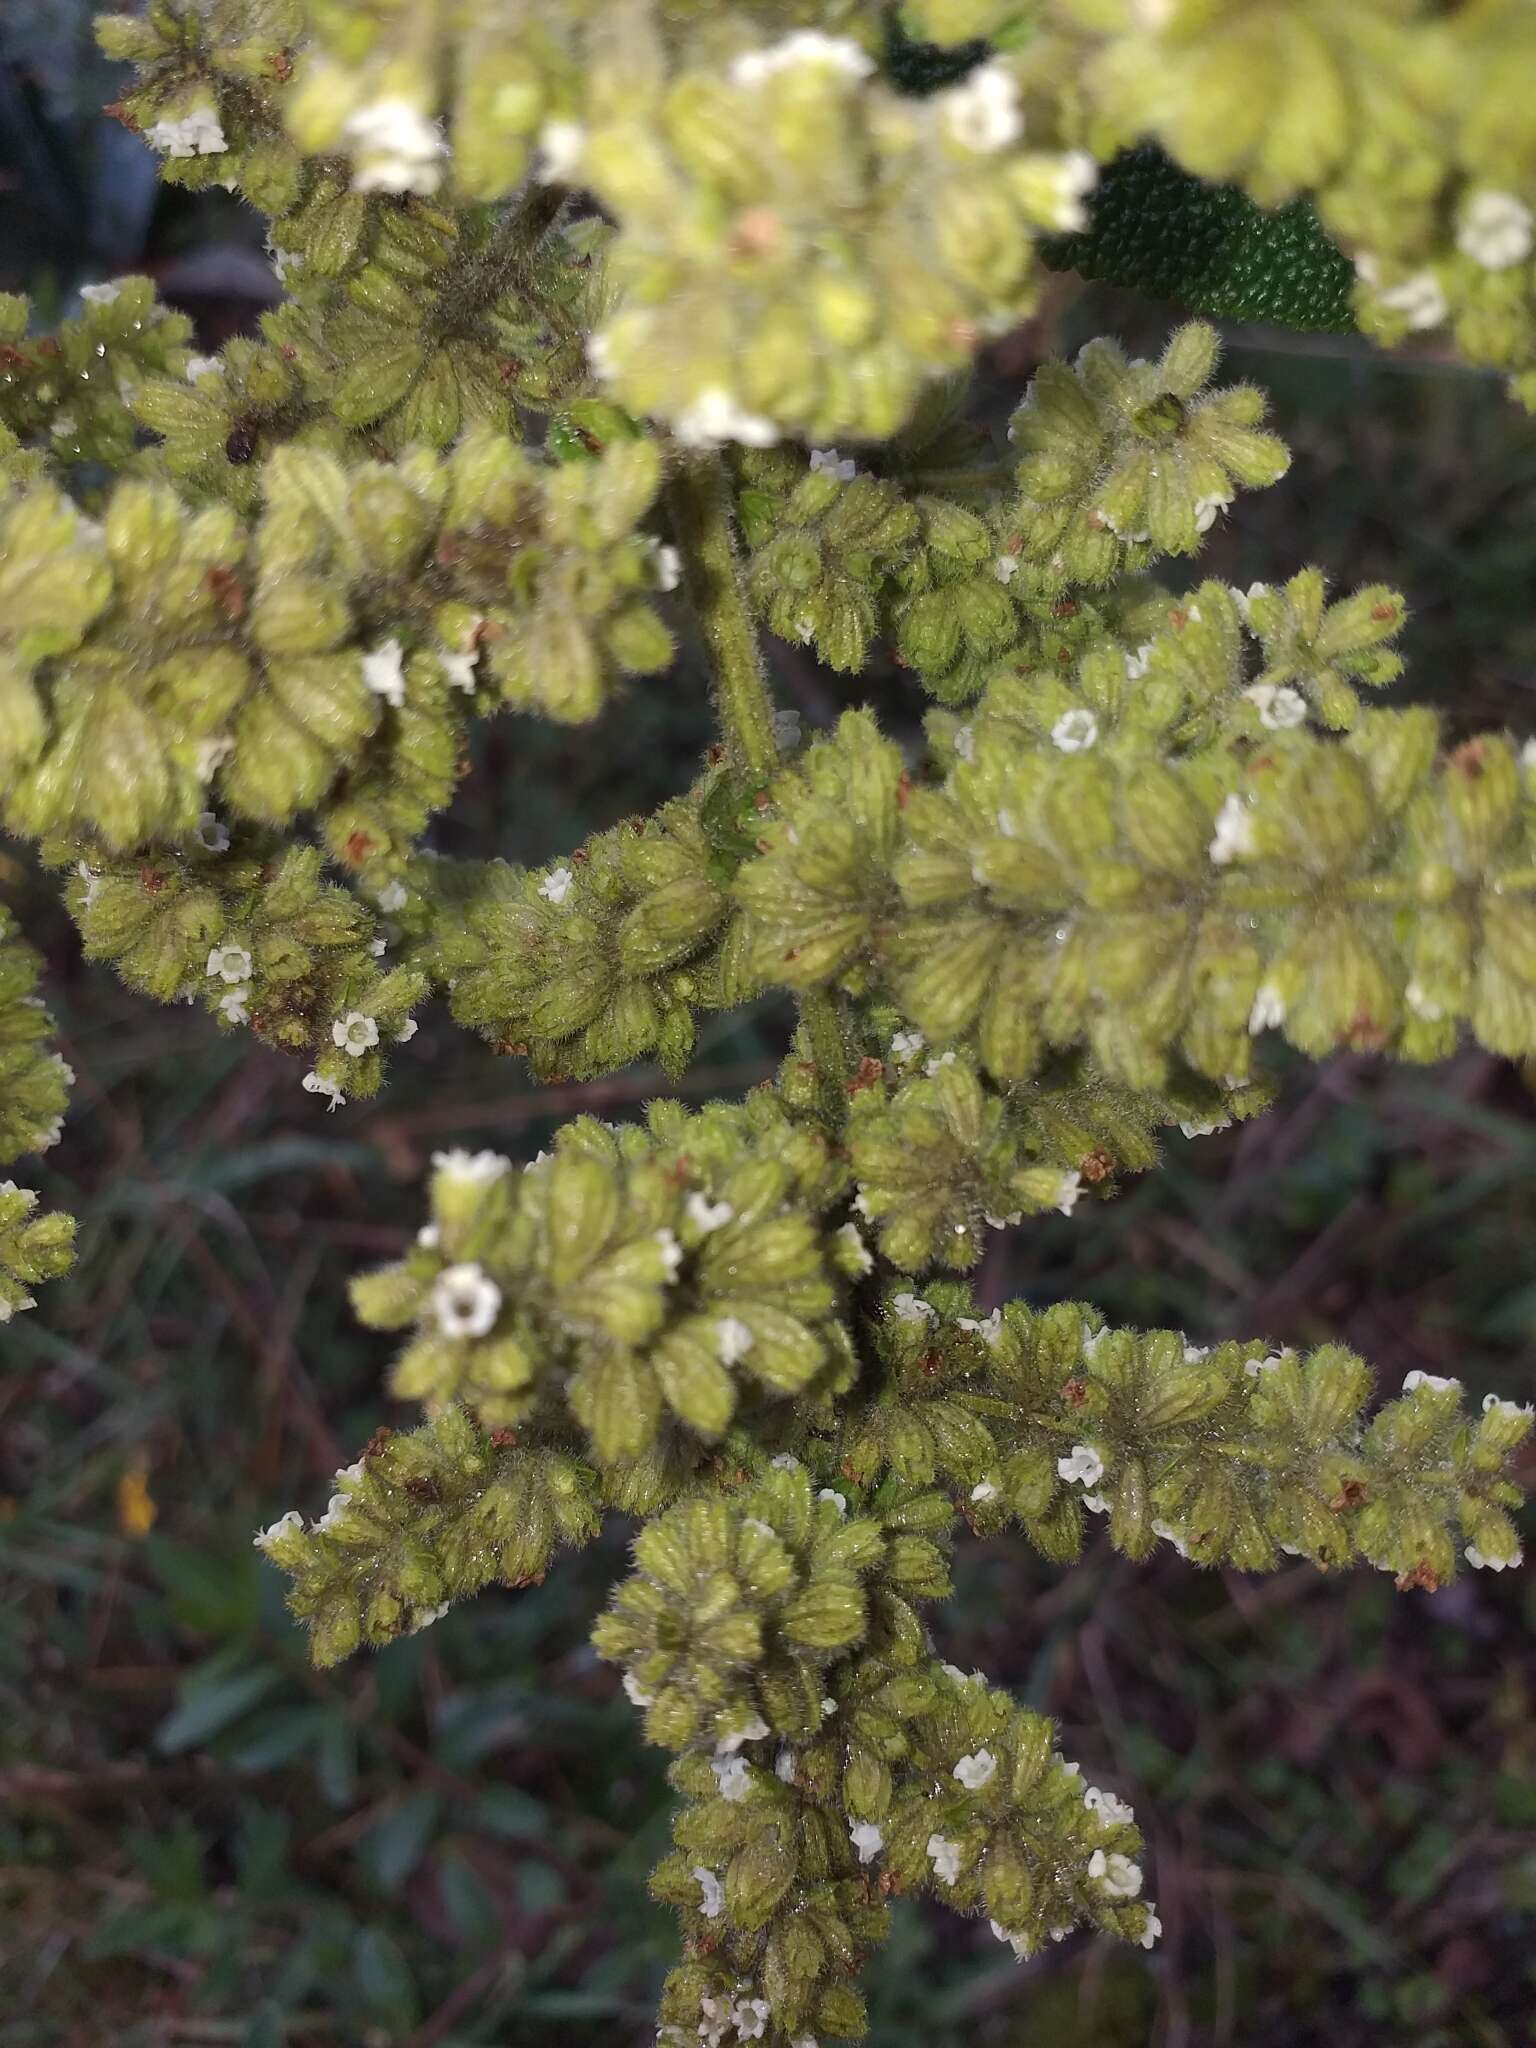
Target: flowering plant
(599, 317)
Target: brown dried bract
(227, 591)
(1422, 1579)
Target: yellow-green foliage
(589, 304)
(34, 1085)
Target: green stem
(699, 500)
(821, 1012)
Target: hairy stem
(821, 1013)
(699, 500)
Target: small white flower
(784, 1766)
(1234, 831)
(733, 1776)
(1243, 599)
(988, 1328)
(1268, 1011)
(706, 1215)
(1209, 509)
(1419, 299)
(733, 1339)
(466, 1301)
(715, 416)
(938, 1064)
(282, 260)
(1082, 1466)
(1433, 1381)
(210, 835)
(480, 1169)
(753, 1729)
(713, 1903)
(1137, 664)
(828, 462)
(867, 1839)
(945, 1858)
(196, 134)
(838, 1500)
(1153, 1928)
(1095, 1503)
(1206, 1130)
(983, 112)
(1256, 1367)
(100, 294)
(429, 1237)
(378, 948)
(1171, 1536)
(786, 731)
(396, 148)
(1193, 1353)
(910, 1308)
(1510, 1411)
(1076, 176)
(230, 963)
(1005, 568)
(861, 1205)
(424, 1617)
(965, 743)
(1120, 1877)
(804, 47)
(459, 668)
(1423, 1005)
(235, 1004)
(783, 1462)
(858, 1250)
(356, 1033)
(199, 367)
(1019, 1943)
(315, 1083)
(636, 1696)
(1495, 230)
(562, 145)
(557, 884)
(906, 1045)
(828, 1708)
(392, 897)
(384, 673)
(750, 2016)
(1068, 1194)
(1075, 731)
(266, 1537)
(1105, 1804)
(713, 2028)
(671, 1253)
(975, 1771)
(1008, 1222)
(1480, 1563)
(983, 1491)
(1280, 707)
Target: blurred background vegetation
(201, 1840)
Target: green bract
(605, 316)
